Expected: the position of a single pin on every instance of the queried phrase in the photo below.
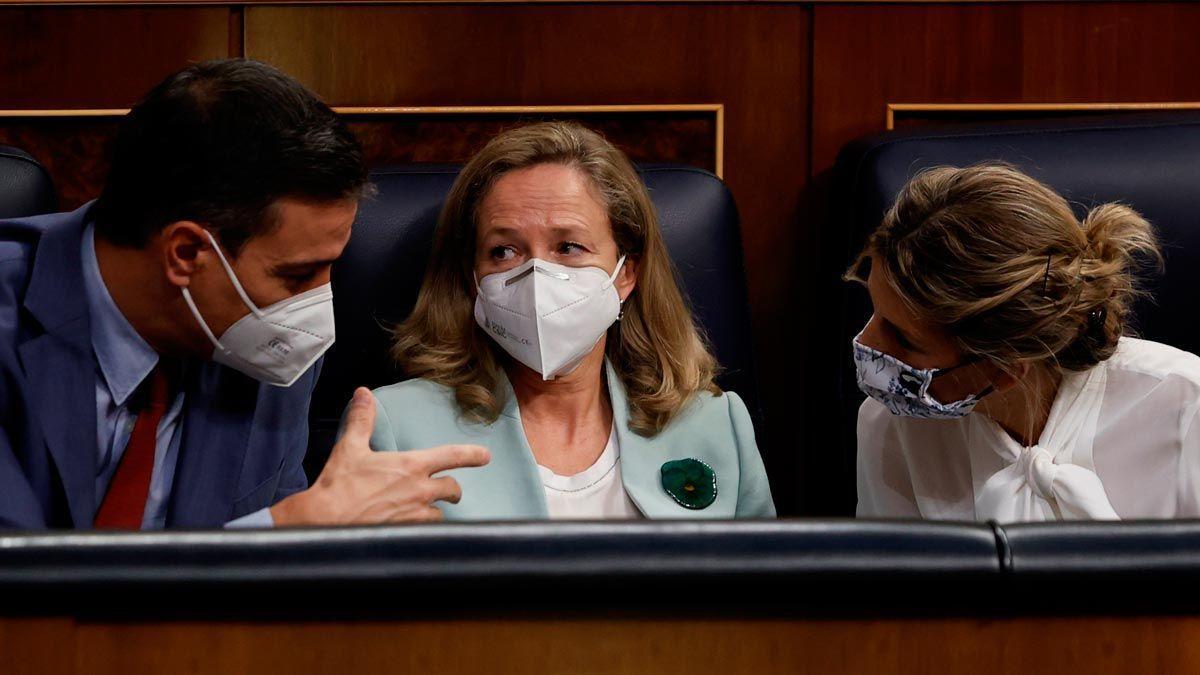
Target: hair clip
(1096, 321)
(1046, 276)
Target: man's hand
(359, 485)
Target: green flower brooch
(690, 482)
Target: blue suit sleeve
(293, 479)
(754, 490)
(20, 507)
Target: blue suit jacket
(243, 442)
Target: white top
(596, 493)
(1121, 442)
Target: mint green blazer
(419, 414)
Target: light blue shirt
(123, 361)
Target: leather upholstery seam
(1003, 548)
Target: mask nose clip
(561, 276)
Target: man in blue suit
(158, 347)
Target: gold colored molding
(254, 3)
(717, 109)
(893, 108)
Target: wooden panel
(250, 3)
(75, 151)
(75, 148)
(865, 57)
(752, 58)
(1097, 646)
(69, 57)
(902, 115)
(33, 646)
(675, 137)
(51, 3)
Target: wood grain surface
(1029, 646)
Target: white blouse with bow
(1121, 442)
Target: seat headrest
(1145, 161)
(25, 186)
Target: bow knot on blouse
(1054, 479)
(1040, 470)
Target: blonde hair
(655, 349)
(1000, 261)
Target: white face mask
(276, 344)
(548, 316)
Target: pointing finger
(445, 457)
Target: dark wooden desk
(1097, 646)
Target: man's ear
(183, 244)
(627, 278)
(1006, 380)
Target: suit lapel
(61, 376)
(59, 366)
(524, 475)
(510, 487)
(641, 460)
(216, 434)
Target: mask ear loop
(938, 372)
(612, 281)
(944, 371)
(187, 297)
(191, 303)
(237, 286)
(613, 277)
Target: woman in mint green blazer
(550, 330)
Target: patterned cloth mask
(903, 389)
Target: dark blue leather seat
(685, 569)
(25, 187)
(1102, 567)
(1148, 161)
(376, 281)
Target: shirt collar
(125, 358)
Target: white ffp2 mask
(275, 344)
(548, 316)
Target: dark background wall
(797, 81)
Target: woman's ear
(627, 278)
(1006, 380)
(183, 244)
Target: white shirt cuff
(260, 519)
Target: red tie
(125, 501)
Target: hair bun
(1119, 239)
(1116, 234)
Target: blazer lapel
(59, 365)
(216, 435)
(640, 458)
(509, 487)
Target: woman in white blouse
(1001, 383)
(550, 329)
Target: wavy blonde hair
(656, 349)
(1001, 262)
